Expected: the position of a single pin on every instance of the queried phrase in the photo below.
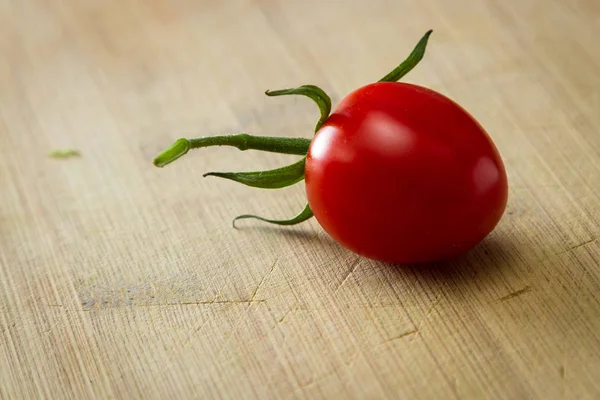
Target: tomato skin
(402, 174)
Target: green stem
(303, 216)
(411, 61)
(313, 92)
(242, 141)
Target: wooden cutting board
(121, 280)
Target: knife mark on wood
(402, 335)
(434, 304)
(188, 303)
(263, 280)
(582, 244)
(518, 293)
(245, 314)
(188, 340)
(351, 270)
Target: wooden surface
(120, 280)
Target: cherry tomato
(402, 174)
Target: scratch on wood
(233, 332)
(306, 384)
(350, 364)
(263, 280)
(581, 244)
(293, 310)
(250, 302)
(313, 381)
(215, 301)
(286, 314)
(402, 335)
(187, 303)
(351, 270)
(515, 294)
(577, 246)
(379, 291)
(434, 304)
(188, 340)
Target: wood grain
(120, 280)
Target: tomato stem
(304, 215)
(291, 174)
(410, 62)
(242, 141)
(313, 92)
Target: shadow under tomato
(483, 262)
(487, 259)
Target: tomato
(397, 173)
(402, 174)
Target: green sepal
(315, 93)
(411, 61)
(271, 179)
(303, 216)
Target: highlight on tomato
(397, 172)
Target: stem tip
(178, 149)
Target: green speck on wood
(64, 153)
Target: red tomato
(400, 173)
